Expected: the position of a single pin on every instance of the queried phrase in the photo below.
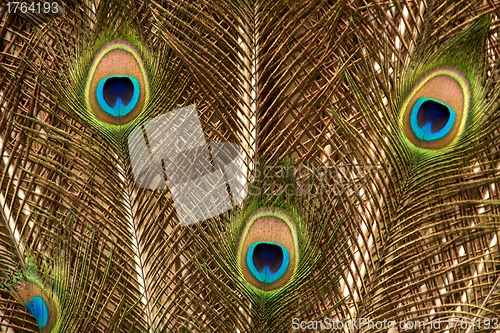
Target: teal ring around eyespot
(424, 133)
(119, 110)
(265, 276)
(39, 310)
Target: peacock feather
(249, 166)
(117, 88)
(447, 100)
(38, 301)
(269, 266)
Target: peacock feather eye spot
(267, 255)
(268, 250)
(116, 89)
(38, 302)
(267, 261)
(117, 85)
(118, 95)
(431, 119)
(434, 114)
(38, 309)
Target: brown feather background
(388, 233)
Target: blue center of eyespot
(267, 261)
(118, 95)
(431, 120)
(39, 310)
